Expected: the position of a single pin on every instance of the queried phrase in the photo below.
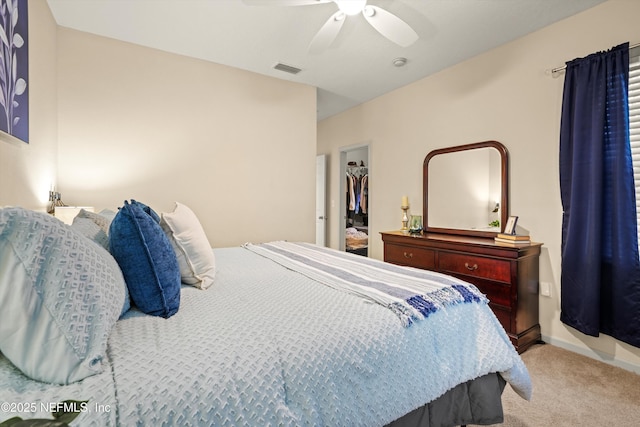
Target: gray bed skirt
(474, 402)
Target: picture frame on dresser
(510, 227)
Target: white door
(321, 194)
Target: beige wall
(27, 171)
(506, 95)
(237, 147)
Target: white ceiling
(357, 67)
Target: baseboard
(593, 354)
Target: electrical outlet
(545, 289)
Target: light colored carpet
(573, 390)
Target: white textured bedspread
(268, 346)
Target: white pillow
(195, 256)
(60, 296)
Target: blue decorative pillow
(60, 295)
(147, 260)
(153, 214)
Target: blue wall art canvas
(14, 69)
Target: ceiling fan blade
(327, 33)
(283, 2)
(390, 26)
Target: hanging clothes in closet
(357, 234)
(357, 195)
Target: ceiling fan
(386, 23)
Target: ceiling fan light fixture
(368, 11)
(351, 7)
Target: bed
(271, 339)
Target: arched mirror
(466, 189)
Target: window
(634, 123)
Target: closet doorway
(354, 199)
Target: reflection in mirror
(465, 189)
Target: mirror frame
(504, 197)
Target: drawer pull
(408, 255)
(471, 267)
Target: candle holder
(405, 218)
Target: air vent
(287, 68)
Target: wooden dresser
(507, 275)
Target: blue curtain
(600, 278)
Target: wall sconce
(54, 200)
(497, 208)
(61, 211)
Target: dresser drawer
(497, 293)
(486, 268)
(411, 256)
(504, 316)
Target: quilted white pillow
(195, 256)
(95, 226)
(60, 296)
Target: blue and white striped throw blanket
(412, 294)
